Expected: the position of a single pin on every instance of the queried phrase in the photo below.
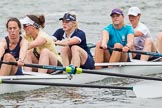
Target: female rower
(142, 40)
(12, 47)
(76, 51)
(41, 46)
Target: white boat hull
(77, 79)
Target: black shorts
(137, 57)
(89, 64)
(19, 71)
(59, 63)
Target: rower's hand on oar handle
(125, 49)
(20, 62)
(103, 47)
(61, 43)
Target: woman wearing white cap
(76, 51)
(142, 40)
(41, 46)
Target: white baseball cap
(134, 11)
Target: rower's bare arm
(23, 49)
(130, 40)
(2, 47)
(37, 42)
(138, 33)
(71, 41)
(105, 39)
(61, 43)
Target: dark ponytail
(40, 20)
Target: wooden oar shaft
(120, 75)
(63, 84)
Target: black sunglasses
(26, 25)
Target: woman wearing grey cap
(41, 46)
(76, 51)
(142, 40)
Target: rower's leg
(8, 69)
(124, 57)
(79, 56)
(116, 55)
(30, 58)
(47, 58)
(159, 42)
(101, 55)
(147, 48)
(66, 55)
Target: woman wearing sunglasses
(41, 46)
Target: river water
(93, 15)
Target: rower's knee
(148, 42)
(159, 37)
(64, 50)
(98, 44)
(29, 53)
(75, 48)
(44, 52)
(8, 57)
(118, 45)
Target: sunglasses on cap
(26, 25)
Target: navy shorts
(89, 64)
(19, 71)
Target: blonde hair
(75, 15)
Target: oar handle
(9, 63)
(115, 49)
